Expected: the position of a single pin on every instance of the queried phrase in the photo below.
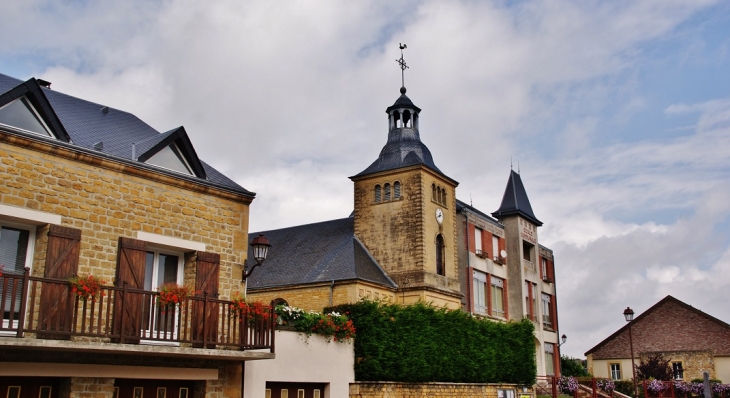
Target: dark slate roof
(404, 147)
(86, 124)
(322, 252)
(515, 201)
(460, 206)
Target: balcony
(529, 265)
(481, 254)
(48, 309)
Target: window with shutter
(396, 190)
(62, 262)
(386, 189)
(377, 193)
(16, 253)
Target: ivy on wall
(420, 343)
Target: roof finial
(403, 67)
(510, 163)
(518, 167)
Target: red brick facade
(669, 325)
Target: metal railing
(50, 309)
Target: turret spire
(403, 67)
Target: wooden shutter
(131, 261)
(205, 318)
(551, 270)
(62, 262)
(486, 243)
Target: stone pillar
(90, 387)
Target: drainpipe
(468, 263)
(332, 288)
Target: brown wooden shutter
(501, 247)
(554, 312)
(205, 318)
(470, 289)
(487, 243)
(505, 299)
(131, 261)
(62, 262)
(551, 270)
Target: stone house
(693, 341)
(87, 189)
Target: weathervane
(402, 64)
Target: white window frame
(29, 254)
(546, 305)
(674, 371)
(480, 278)
(615, 370)
(478, 240)
(154, 283)
(549, 359)
(494, 284)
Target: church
(409, 239)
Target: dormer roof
(110, 132)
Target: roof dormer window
(171, 158)
(21, 114)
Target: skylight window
(21, 115)
(170, 157)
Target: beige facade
(402, 233)
(315, 297)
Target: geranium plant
(172, 294)
(332, 326)
(85, 287)
(250, 311)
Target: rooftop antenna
(518, 167)
(510, 163)
(403, 67)
(471, 202)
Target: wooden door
(128, 309)
(295, 390)
(134, 388)
(29, 387)
(205, 319)
(57, 302)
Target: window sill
(387, 201)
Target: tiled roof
(515, 201)
(88, 123)
(321, 252)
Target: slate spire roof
(515, 201)
(316, 253)
(404, 147)
(109, 132)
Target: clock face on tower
(439, 216)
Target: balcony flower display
(172, 294)
(87, 287)
(333, 325)
(250, 311)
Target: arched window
(438, 192)
(396, 190)
(377, 193)
(279, 301)
(433, 191)
(443, 196)
(387, 191)
(440, 267)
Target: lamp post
(260, 246)
(563, 338)
(629, 315)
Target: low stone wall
(436, 390)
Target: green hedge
(419, 343)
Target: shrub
(420, 343)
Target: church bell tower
(405, 212)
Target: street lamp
(629, 315)
(260, 246)
(563, 338)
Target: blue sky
(617, 112)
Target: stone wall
(317, 296)
(401, 233)
(106, 204)
(431, 390)
(87, 387)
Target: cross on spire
(403, 66)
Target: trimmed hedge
(419, 343)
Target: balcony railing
(49, 309)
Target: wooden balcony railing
(49, 309)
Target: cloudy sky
(617, 112)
